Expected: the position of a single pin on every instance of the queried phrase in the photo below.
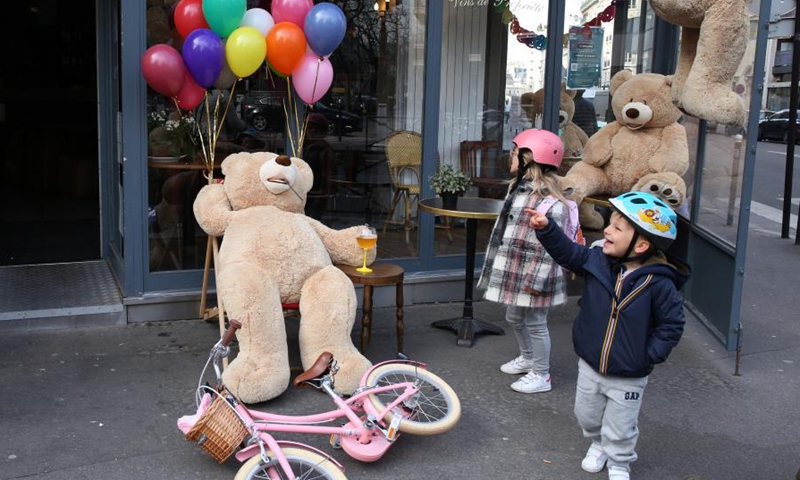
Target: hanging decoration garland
(539, 42)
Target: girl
(517, 271)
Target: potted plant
(450, 184)
(170, 135)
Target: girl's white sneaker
(517, 366)
(532, 383)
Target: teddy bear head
(533, 104)
(643, 101)
(263, 178)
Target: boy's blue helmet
(649, 215)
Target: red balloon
(286, 46)
(189, 17)
(191, 94)
(163, 69)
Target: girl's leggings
(530, 327)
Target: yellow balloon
(245, 51)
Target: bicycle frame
(358, 437)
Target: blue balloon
(324, 27)
(204, 54)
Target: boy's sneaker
(618, 473)
(595, 459)
(516, 366)
(532, 383)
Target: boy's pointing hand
(538, 220)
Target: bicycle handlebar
(234, 325)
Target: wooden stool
(382, 274)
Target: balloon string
(227, 106)
(203, 144)
(210, 154)
(299, 147)
(286, 109)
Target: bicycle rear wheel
(433, 410)
(306, 465)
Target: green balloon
(223, 16)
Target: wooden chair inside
(404, 157)
(475, 160)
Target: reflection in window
(376, 97)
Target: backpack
(572, 225)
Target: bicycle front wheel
(306, 465)
(434, 409)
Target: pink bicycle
(394, 396)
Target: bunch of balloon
(298, 47)
(224, 43)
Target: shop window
(372, 112)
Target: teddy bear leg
(668, 186)
(261, 369)
(327, 313)
(707, 92)
(686, 57)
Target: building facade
(107, 181)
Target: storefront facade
(449, 75)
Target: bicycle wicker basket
(219, 431)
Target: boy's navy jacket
(625, 325)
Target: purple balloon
(325, 27)
(204, 53)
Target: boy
(630, 319)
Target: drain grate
(51, 290)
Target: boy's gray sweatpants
(607, 409)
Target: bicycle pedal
(335, 441)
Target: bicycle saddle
(320, 368)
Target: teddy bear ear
(618, 79)
(228, 163)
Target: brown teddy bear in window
(573, 137)
(714, 37)
(271, 254)
(644, 149)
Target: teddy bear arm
(598, 148)
(341, 244)
(673, 153)
(213, 210)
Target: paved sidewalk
(102, 402)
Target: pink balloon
(163, 69)
(313, 78)
(191, 94)
(293, 11)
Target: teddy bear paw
(666, 190)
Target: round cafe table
(472, 209)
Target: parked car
(340, 122)
(776, 127)
(264, 110)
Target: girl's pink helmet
(546, 147)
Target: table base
(467, 329)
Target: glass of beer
(367, 238)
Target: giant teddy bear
(573, 137)
(273, 253)
(714, 37)
(644, 149)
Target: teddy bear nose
(561, 118)
(632, 113)
(283, 160)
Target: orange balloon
(286, 46)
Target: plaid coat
(517, 270)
